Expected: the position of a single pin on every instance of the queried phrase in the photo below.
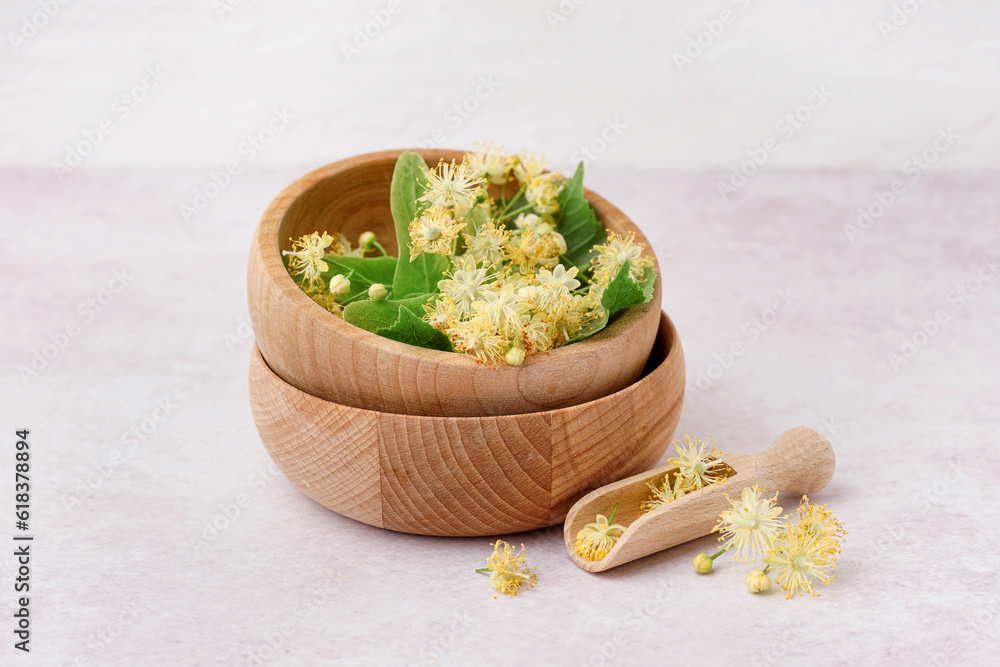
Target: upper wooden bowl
(467, 475)
(322, 355)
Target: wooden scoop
(800, 461)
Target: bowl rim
(266, 244)
(665, 325)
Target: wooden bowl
(322, 355)
(467, 475)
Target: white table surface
(128, 573)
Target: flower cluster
(498, 316)
(507, 296)
(800, 551)
(497, 278)
(308, 261)
(806, 548)
(696, 466)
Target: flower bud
(529, 295)
(377, 291)
(339, 285)
(514, 356)
(757, 581)
(702, 563)
(367, 240)
(560, 241)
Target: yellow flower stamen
(750, 525)
(807, 549)
(508, 569)
(596, 540)
(697, 466)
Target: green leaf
(422, 274)
(646, 283)
(382, 314)
(577, 222)
(363, 272)
(477, 218)
(412, 330)
(580, 258)
(621, 293)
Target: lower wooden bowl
(467, 476)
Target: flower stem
(612, 517)
(484, 569)
(766, 568)
(511, 214)
(509, 203)
(379, 246)
(721, 551)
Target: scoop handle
(800, 461)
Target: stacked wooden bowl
(431, 442)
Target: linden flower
(543, 193)
(571, 322)
(615, 254)
(532, 222)
(817, 519)
(477, 338)
(663, 493)
(538, 333)
(453, 185)
(527, 166)
(556, 286)
(441, 312)
(491, 163)
(328, 301)
(466, 284)
(500, 307)
(527, 249)
(487, 245)
(800, 556)
(595, 540)
(697, 467)
(343, 246)
(509, 570)
(305, 259)
(544, 249)
(529, 295)
(434, 232)
(750, 526)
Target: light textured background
(559, 81)
(128, 568)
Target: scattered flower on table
(508, 569)
(750, 525)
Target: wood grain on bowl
(326, 357)
(467, 475)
